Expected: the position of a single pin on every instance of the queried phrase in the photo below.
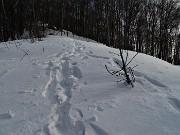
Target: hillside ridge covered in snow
(62, 88)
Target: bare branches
(6, 46)
(18, 47)
(125, 71)
(132, 59)
(25, 52)
(113, 72)
(114, 53)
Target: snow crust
(62, 88)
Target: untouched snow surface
(62, 88)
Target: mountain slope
(62, 88)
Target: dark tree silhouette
(147, 26)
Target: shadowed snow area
(62, 88)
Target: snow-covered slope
(62, 88)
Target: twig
(112, 72)
(6, 46)
(134, 67)
(121, 80)
(114, 53)
(58, 32)
(118, 63)
(17, 44)
(109, 71)
(26, 52)
(132, 59)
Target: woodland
(145, 26)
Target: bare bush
(125, 70)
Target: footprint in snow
(6, 116)
(98, 130)
(31, 91)
(77, 72)
(74, 63)
(99, 108)
(84, 57)
(3, 73)
(90, 52)
(80, 113)
(93, 118)
(175, 103)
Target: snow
(62, 88)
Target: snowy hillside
(62, 88)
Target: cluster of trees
(147, 26)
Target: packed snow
(60, 86)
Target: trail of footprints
(64, 77)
